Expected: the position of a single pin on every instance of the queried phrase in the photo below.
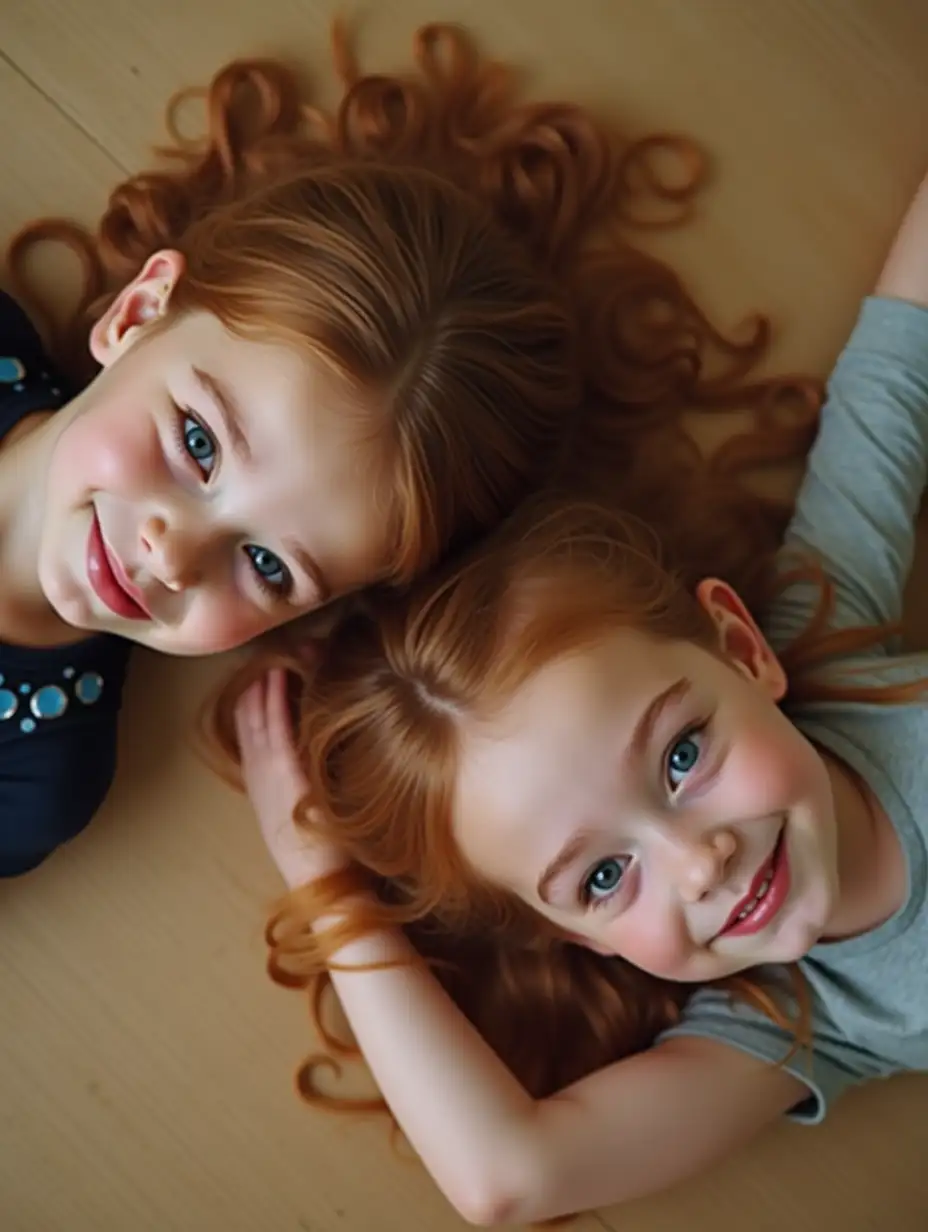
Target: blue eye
(604, 879)
(683, 756)
(272, 573)
(199, 444)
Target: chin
(72, 609)
(158, 645)
(794, 946)
(176, 649)
(809, 935)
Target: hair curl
(380, 720)
(607, 363)
(463, 257)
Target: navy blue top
(58, 706)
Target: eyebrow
(229, 410)
(310, 566)
(641, 738)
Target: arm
(632, 1129)
(867, 471)
(905, 272)
(497, 1154)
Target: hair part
(601, 349)
(380, 727)
(460, 257)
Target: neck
(26, 616)
(872, 875)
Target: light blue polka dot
(11, 370)
(9, 704)
(68, 674)
(27, 725)
(25, 688)
(89, 688)
(49, 702)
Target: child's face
(205, 488)
(638, 794)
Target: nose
(698, 863)
(171, 554)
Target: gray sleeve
(832, 1066)
(866, 472)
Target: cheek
(652, 936)
(769, 767)
(108, 448)
(218, 624)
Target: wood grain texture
(145, 1061)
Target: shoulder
(889, 336)
(29, 380)
(794, 1032)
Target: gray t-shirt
(856, 512)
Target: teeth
(743, 915)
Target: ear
(143, 301)
(740, 640)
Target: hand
(275, 782)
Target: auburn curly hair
(382, 723)
(475, 258)
(459, 256)
(574, 192)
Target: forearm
(905, 272)
(624, 1132)
(461, 1109)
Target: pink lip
(777, 870)
(108, 578)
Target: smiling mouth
(767, 894)
(108, 578)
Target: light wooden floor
(145, 1062)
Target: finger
(249, 708)
(250, 716)
(282, 735)
(279, 722)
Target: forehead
(552, 754)
(311, 459)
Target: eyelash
(691, 732)
(275, 592)
(594, 901)
(185, 416)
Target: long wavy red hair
(379, 728)
(573, 192)
(459, 257)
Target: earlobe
(137, 305)
(740, 638)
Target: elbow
(509, 1189)
(488, 1208)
